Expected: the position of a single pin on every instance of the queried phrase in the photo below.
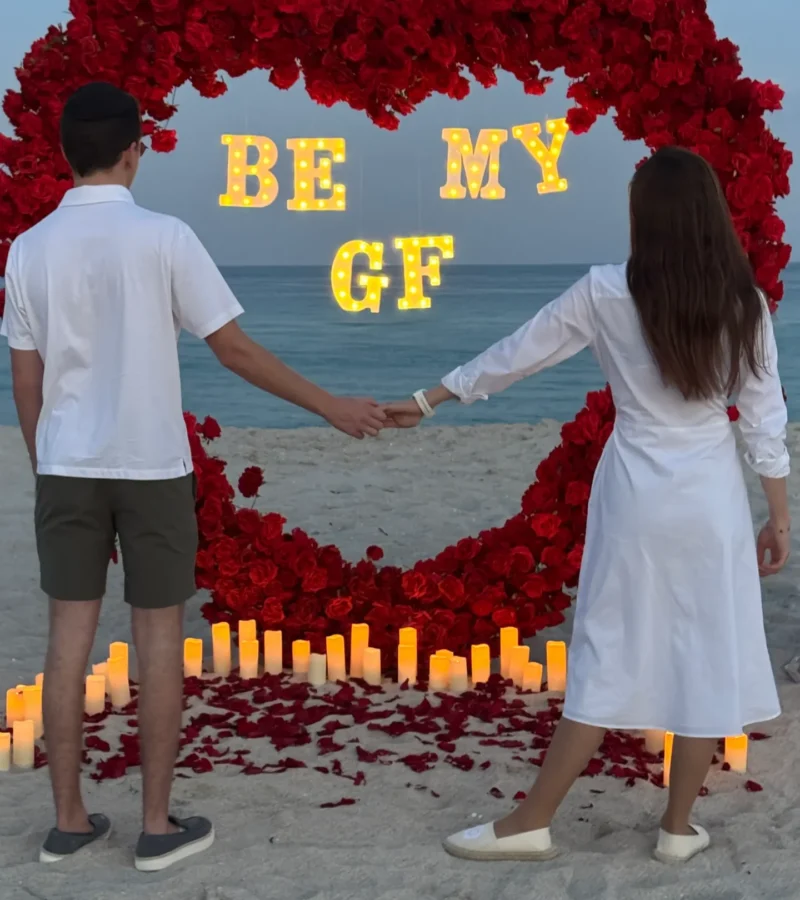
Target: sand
(413, 493)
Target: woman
(668, 629)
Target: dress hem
(680, 732)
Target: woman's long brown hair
(691, 281)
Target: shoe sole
(677, 860)
(501, 855)
(158, 863)
(49, 858)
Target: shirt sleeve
(558, 331)
(762, 412)
(202, 302)
(15, 326)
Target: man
(96, 294)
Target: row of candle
(446, 670)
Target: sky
(393, 178)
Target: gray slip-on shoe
(155, 852)
(60, 844)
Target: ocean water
(393, 353)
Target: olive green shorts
(77, 523)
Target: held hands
(777, 542)
(356, 416)
(402, 414)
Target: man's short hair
(98, 124)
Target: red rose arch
(658, 65)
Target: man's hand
(355, 416)
(403, 414)
(775, 543)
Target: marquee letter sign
(547, 157)
(342, 277)
(473, 160)
(414, 270)
(309, 172)
(250, 156)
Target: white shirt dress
(668, 631)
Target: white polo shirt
(102, 288)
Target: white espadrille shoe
(680, 848)
(480, 843)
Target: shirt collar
(97, 193)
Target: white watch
(422, 402)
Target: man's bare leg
(158, 637)
(72, 631)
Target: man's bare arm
(256, 365)
(27, 375)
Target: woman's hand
(402, 414)
(777, 542)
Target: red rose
(415, 585)
(482, 607)
(271, 527)
(210, 429)
(453, 591)
(733, 414)
(534, 587)
(504, 618)
(374, 553)
(354, 48)
(262, 573)
(577, 493)
(271, 614)
(248, 521)
(545, 525)
(552, 556)
(575, 557)
(315, 580)
(339, 608)
(199, 36)
(769, 95)
(164, 140)
(250, 481)
(467, 548)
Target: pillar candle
(273, 652)
(668, 739)
(221, 648)
(301, 658)
(556, 666)
(337, 667)
(102, 669)
(519, 659)
(5, 751)
(408, 636)
(653, 741)
(509, 638)
(32, 704)
(120, 648)
(459, 681)
(736, 752)
(372, 666)
(15, 708)
(317, 669)
(22, 745)
(118, 683)
(95, 701)
(40, 680)
(532, 677)
(248, 659)
(439, 677)
(407, 664)
(359, 641)
(193, 657)
(247, 631)
(481, 663)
